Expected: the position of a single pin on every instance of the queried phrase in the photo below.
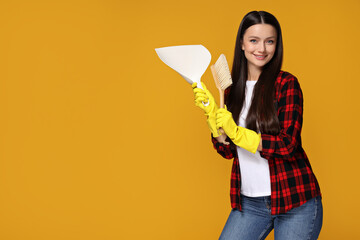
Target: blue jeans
(256, 222)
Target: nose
(262, 47)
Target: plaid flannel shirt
(292, 179)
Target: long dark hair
(262, 115)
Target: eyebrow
(259, 38)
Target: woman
(272, 182)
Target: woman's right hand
(204, 96)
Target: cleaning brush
(222, 77)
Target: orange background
(101, 140)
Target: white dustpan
(190, 61)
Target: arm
(242, 137)
(290, 111)
(225, 150)
(222, 139)
(260, 145)
(222, 143)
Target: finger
(201, 99)
(200, 94)
(222, 111)
(199, 90)
(194, 85)
(219, 124)
(220, 118)
(219, 121)
(220, 115)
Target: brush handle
(221, 131)
(221, 93)
(222, 104)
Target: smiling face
(259, 45)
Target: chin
(261, 65)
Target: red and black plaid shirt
(292, 179)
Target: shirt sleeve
(226, 151)
(290, 110)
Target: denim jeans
(256, 222)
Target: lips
(260, 57)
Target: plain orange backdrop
(101, 140)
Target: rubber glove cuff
(211, 121)
(243, 137)
(246, 139)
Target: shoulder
(286, 80)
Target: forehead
(260, 31)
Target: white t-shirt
(255, 174)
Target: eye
(271, 41)
(252, 40)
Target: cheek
(272, 49)
(248, 47)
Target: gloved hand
(204, 96)
(243, 137)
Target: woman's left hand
(225, 121)
(243, 137)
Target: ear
(242, 46)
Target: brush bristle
(223, 72)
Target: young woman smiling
(272, 182)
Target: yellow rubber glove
(243, 137)
(204, 96)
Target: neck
(253, 73)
